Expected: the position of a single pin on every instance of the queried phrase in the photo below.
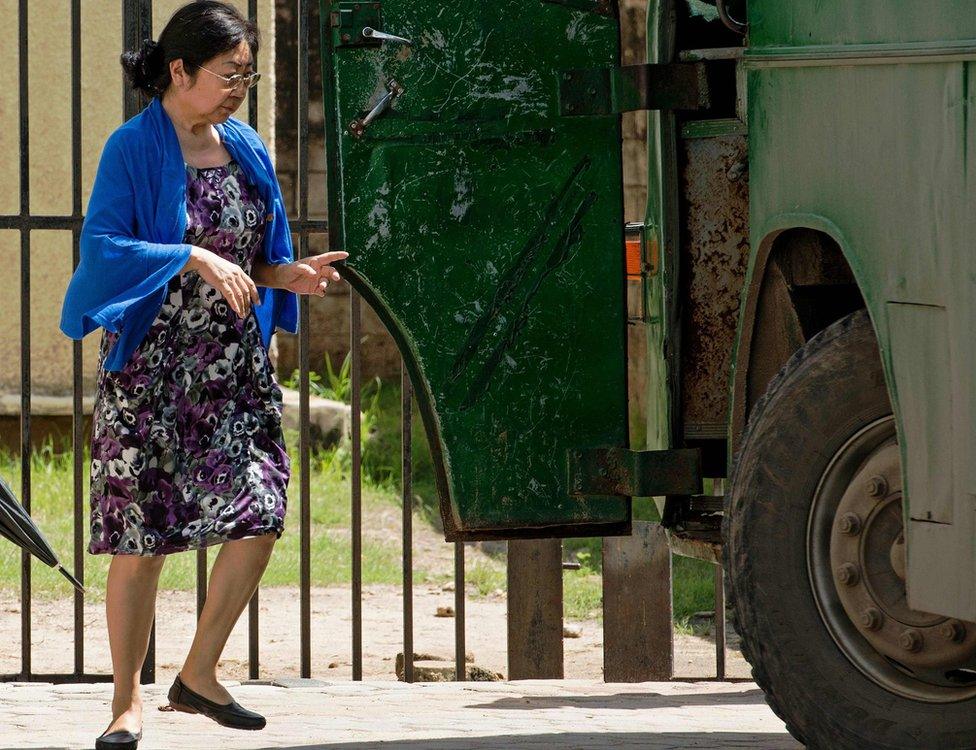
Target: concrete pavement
(313, 713)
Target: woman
(185, 231)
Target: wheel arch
(774, 319)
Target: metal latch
(358, 126)
(624, 472)
(371, 33)
(603, 91)
(349, 20)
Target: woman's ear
(178, 73)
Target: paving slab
(304, 714)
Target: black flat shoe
(120, 739)
(232, 714)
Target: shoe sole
(102, 745)
(188, 710)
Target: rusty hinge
(621, 471)
(603, 91)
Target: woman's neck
(196, 134)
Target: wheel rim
(856, 565)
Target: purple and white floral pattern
(187, 446)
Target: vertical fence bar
(303, 347)
(201, 564)
(25, 362)
(253, 607)
(718, 488)
(136, 26)
(719, 623)
(356, 481)
(460, 663)
(406, 395)
(77, 412)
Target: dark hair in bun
(195, 33)
(143, 67)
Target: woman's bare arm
(264, 274)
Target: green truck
(801, 288)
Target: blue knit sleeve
(120, 277)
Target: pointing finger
(323, 259)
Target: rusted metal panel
(714, 255)
(638, 638)
(535, 609)
(699, 549)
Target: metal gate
(137, 25)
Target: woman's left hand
(309, 275)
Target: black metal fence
(137, 25)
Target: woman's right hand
(226, 277)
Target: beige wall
(49, 110)
(51, 174)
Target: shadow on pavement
(626, 701)
(580, 741)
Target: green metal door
(486, 231)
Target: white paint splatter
(379, 218)
(573, 27)
(462, 198)
(434, 38)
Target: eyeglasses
(237, 79)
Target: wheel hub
(857, 567)
(867, 554)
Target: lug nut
(872, 619)
(848, 574)
(850, 524)
(953, 630)
(911, 640)
(877, 486)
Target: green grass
(52, 493)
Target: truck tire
(814, 556)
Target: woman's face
(210, 96)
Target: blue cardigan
(131, 241)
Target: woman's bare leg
(130, 605)
(233, 579)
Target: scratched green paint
(658, 232)
(486, 230)
(879, 154)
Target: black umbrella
(20, 529)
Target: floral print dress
(187, 446)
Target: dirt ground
(331, 636)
